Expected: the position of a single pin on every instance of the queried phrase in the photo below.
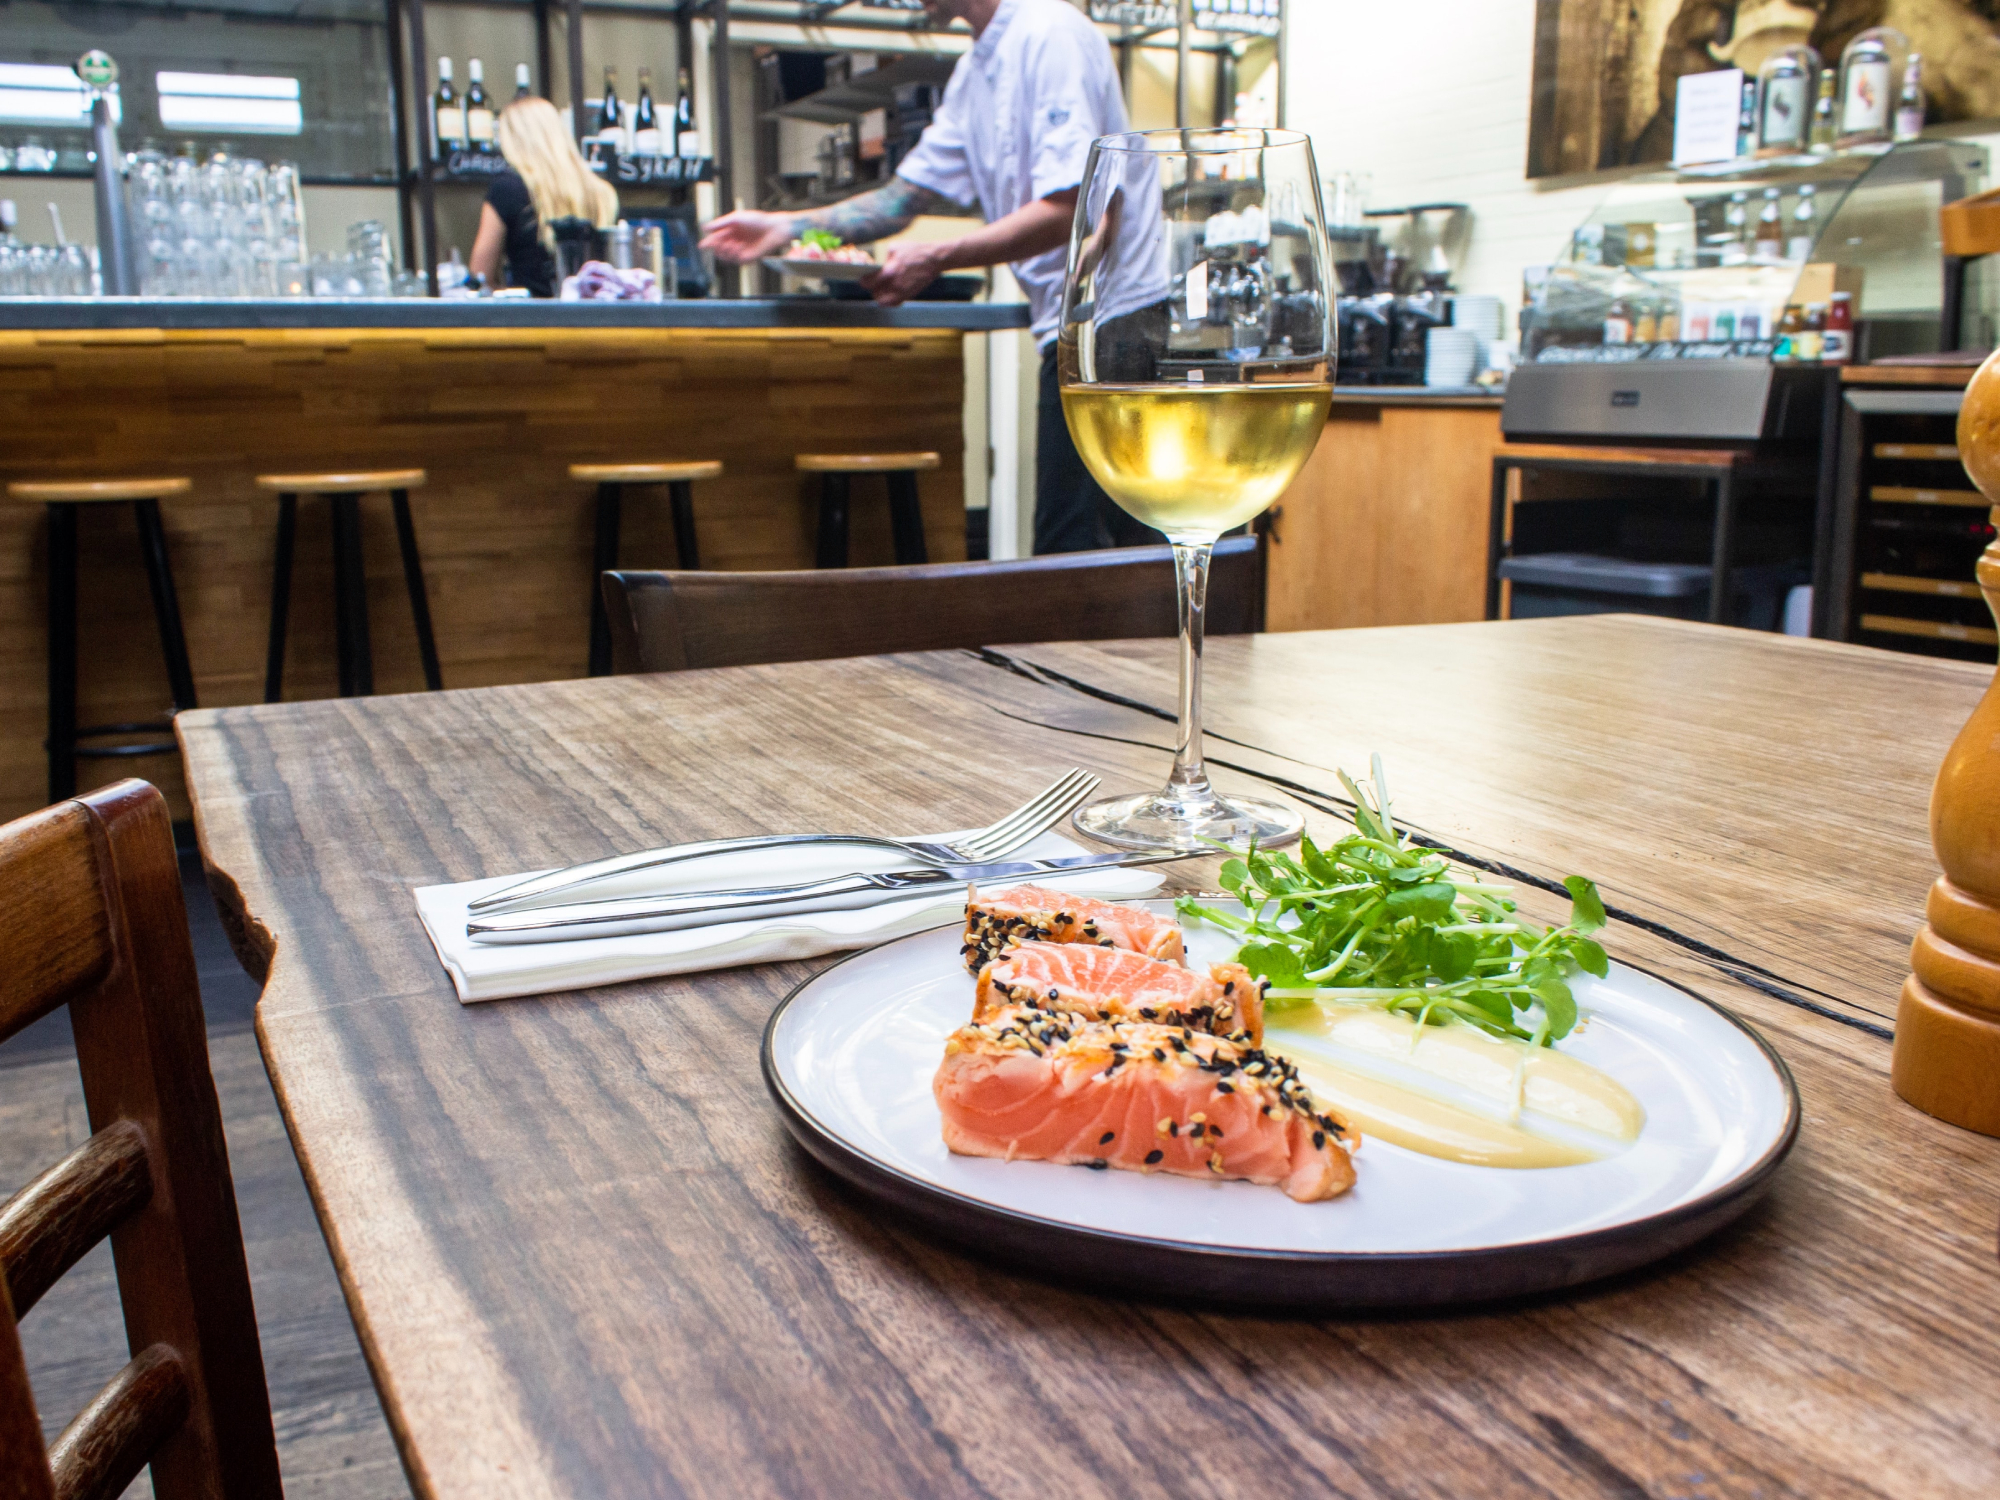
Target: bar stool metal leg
(681, 493)
(832, 551)
(1722, 564)
(281, 597)
(62, 652)
(166, 603)
(603, 558)
(906, 518)
(413, 580)
(350, 600)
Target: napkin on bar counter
(500, 971)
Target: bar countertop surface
(88, 313)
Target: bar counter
(495, 398)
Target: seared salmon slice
(1033, 913)
(1110, 984)
(1028, 1084)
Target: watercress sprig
(1375, 920)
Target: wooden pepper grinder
(1947, 1057)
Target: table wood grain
(585, 1259)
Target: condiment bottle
(1770, 241)
(1789, 328)
(1910, 104)
(1837, 345)
(1809, 340)
(1825, 115)
(1805, 225)
(1618, 322)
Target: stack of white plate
(1451, 356)
(1485, 316)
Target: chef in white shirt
(1011, 136)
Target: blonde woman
(546, 180)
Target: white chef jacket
(1016, 124)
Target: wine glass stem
(1190, 778)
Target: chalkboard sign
(657, 171)
(473, 166)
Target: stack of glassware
(63, 270)
(221, 228)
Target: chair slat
(115, 1436)
(24, 1467)
(55, 934)
(51, 1223)
(673, 621)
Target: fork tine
(1036, 817)
(1026, 814)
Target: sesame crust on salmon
(1122, 986)
(1033, 913)
(1029, 1084)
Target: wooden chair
(669, 622)
(906, 513)
(65, 736)
(91, 917)
(611, 480)
(355, 657)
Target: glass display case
(1679, 308)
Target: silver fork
(1030, 819)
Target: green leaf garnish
(1373, 919)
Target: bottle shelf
(1938, 630)
(1906, 583)
(1939, 452)
(1905, 495)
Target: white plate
(821, 270)
(850, 1054)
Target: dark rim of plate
(1706, 1213)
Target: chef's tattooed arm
(872, 216)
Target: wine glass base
(1171, 819)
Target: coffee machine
(1396, 269)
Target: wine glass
(1196, 358)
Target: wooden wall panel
(1387, 522)
(496, 417)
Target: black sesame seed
(1107, 1138)
(1224, 1088)
(1159, 1055)
(1319, 1139)
(1153, 1156)
(1098, 1165)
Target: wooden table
(586, 1261)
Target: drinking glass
(1196, 358)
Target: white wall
(1431, 97)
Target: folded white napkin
(499, 971)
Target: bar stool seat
(364, 482)
(611, 479)
(343, 489)
(95, 491)
(906, 516)
(62, 496)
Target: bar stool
(62, 497)
(611, 480)
(350, 583)
(906, 516)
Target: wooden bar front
(496, 416)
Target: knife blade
(671, 913)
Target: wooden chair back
(674, 621)
(91, 917)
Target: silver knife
(630, 914)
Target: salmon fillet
(1110, 984)
(1028, 1084)
(1033, 913)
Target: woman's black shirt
(529, 263)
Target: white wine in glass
(1196, 361)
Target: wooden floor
(333, 1443)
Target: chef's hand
(906, 270)
(747, 235)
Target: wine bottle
(478, 110)
(645, 125)
(1824, 116)
(1910, 104)
(447, 115)
(611, 114)
(523, 81)
(687, 139)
